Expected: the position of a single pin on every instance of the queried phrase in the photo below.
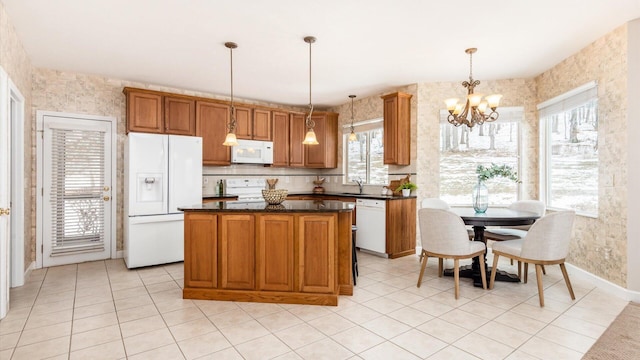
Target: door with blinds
(76, 190)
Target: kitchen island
(297, 252)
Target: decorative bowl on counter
(274, 196)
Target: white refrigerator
(162, 173)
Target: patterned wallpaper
(16, 62)
(605, 61)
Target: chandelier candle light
(231, 139)
(310, 137)
(352, 136)
(474, 110)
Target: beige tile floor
(101, 310)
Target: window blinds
(77, 181)
(569, 100)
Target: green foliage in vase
(505, 171)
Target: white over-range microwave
(252, 152)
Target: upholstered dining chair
(444, 235)
(436, 203)
(546, 243)
(517, 232)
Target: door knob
(5, 211)
(106, 198)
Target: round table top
(496, 216)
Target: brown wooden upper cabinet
(325, 154)
(280, 139)
(144, 111)
(211, 125)
(297, 129)
(179, 116)
(397, 128)
(153, 112)
(253, 124)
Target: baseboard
(603, 284)
(30, 268)
(119, 254)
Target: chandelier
(352, 136)
(310, 137)
(474, 110)
(231, 139)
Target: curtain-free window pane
(462, 150)
(365, 156)
(572, 158)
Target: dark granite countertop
(355, 195)
(221, 197)
(292, 206)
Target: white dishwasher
(371, 223)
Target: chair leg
(526, 272)
(566, 280)
(424, 265)
(456, 277)
(493, 270)
(421, 256)
(519, 269)
(440, 267)
(539, 279)
(511, 261)
(543, 270)
(483, 272)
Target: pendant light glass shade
(310, 138)
(231, 140)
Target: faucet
(359, 182)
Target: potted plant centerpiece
(481, 192)
(406, 188)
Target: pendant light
(352, 136)
(231, 139)
(310, 137)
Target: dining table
(493, 216)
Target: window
(364, 158)
(569, 150)
(462, 150)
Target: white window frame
(566, 101)
(361, 126)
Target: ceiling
(363, 47)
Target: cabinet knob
(106, 198)
(6, 211)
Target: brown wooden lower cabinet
(275, 252)
(201, 252)
(237, 251)
(265, 257)
(401, 227)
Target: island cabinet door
(317, 253)
(275, 260)
(237, 251)
(201, 250)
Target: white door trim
(17, 186)
(5, 140)
(40, 115)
